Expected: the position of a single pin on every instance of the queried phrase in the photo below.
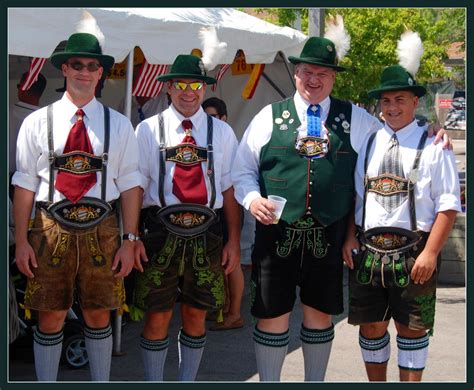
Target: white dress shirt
(224, 145)
(437, 181)
(245, 173)
(32, 149)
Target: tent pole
(128, 86)
(117, 340)
(287, 69)
(274, 85)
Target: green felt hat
(82, 45)
(318, 51)
(396, 78)
(187, 66)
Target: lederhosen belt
(88, 211)
(185, 220)
(388, 253)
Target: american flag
(223, 68)
(35, 68)
(147, 84)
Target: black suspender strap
(51, 156)
(412, 183)
(366, 181)
(105, 153)
(161, 181)
(210, 161)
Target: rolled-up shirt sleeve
(445, 188)
(129, 175)
(27, 154)
(229, 146)
(145, 155)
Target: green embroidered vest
(323, 187)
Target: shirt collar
(176, 118)
(402, 134)
(70, 109)
(302, 105)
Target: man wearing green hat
(303, 149)
(186, 158)
(74, 244)
(411, 187)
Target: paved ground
(229, 355)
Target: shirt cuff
(25, 181)
(448, 202)
(133, 179)
(249, 198)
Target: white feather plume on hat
(336, 32)
(89, 25)
(212, 49)
(410, 50)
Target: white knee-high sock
(270, 352)
(47, 350)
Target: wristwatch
(130, 237)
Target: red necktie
(189, 185)
(75, 186)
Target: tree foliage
(374, 34)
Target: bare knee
(194, 320)
(96, 319)
(51, 321)
(156, 325)
(374, 330)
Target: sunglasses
(180, 86)
(91, 66)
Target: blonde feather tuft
(89, 25)
(410, 50)
(336, 32)
(212, 50)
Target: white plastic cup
(279, 204)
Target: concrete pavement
(229, 355)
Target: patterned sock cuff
(48, 339)
(316, 336)
(271, 339)
(192, 341)
(374, 344)
(413, 344)
(99, 333)
(154, 345)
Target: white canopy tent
(162, 34)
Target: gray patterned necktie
(392, 165)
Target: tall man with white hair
(76, 158)
(304, 149)
(411, 187)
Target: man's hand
(140, 255)
(441, 134)
(230, 256)
(125, 256)
(351, 244)
(24, 256)
(262, 209)
(424, 267)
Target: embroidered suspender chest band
(186, 219)
(88, 211)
